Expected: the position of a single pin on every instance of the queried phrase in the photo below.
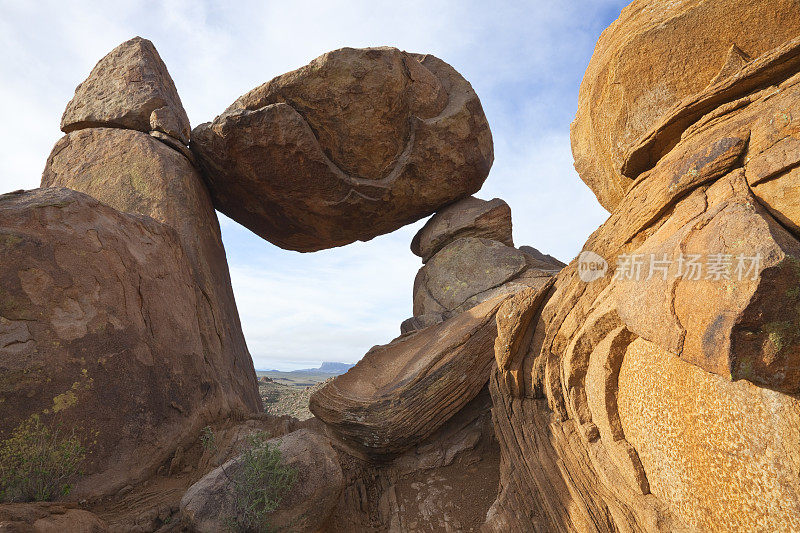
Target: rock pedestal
(126, 147)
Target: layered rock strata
(665, 400)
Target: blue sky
(525, 60)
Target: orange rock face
(356, 144)
(664, 398)
(652, 57)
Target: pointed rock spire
(129, 88)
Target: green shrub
(36, 463)
(259, 485)
(208, 440)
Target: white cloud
(525, 60)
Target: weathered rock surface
(470, 217)
(468, 271)
(46, 517)
(547, 260)
(99, 331)
(208, 504)
(129, 88)
(653, 56)
(135, 173)
(421, 322)
(669, 402)
(446, 483)
(400, 393)
(356, 144)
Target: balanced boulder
(129, 88)
(356, 144)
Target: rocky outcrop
(650, 385)
(135, 173)
(129, 88)
(109, 154)
(400, 393)
(653, 56)
(469, 258)
(661, 396)
(470, 217)
(117, 318)
(208, 504)
(546, 261)
(88, 340)
(412, 419)
(356, 144)
(48, 518)
(469, 271)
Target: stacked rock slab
(669, 402)
(469, 257)
(400, 393)
(111, 154)
(356, 144)
(412, 408)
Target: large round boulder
(356, 144)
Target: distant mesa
(327, 367)
(334, 368)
